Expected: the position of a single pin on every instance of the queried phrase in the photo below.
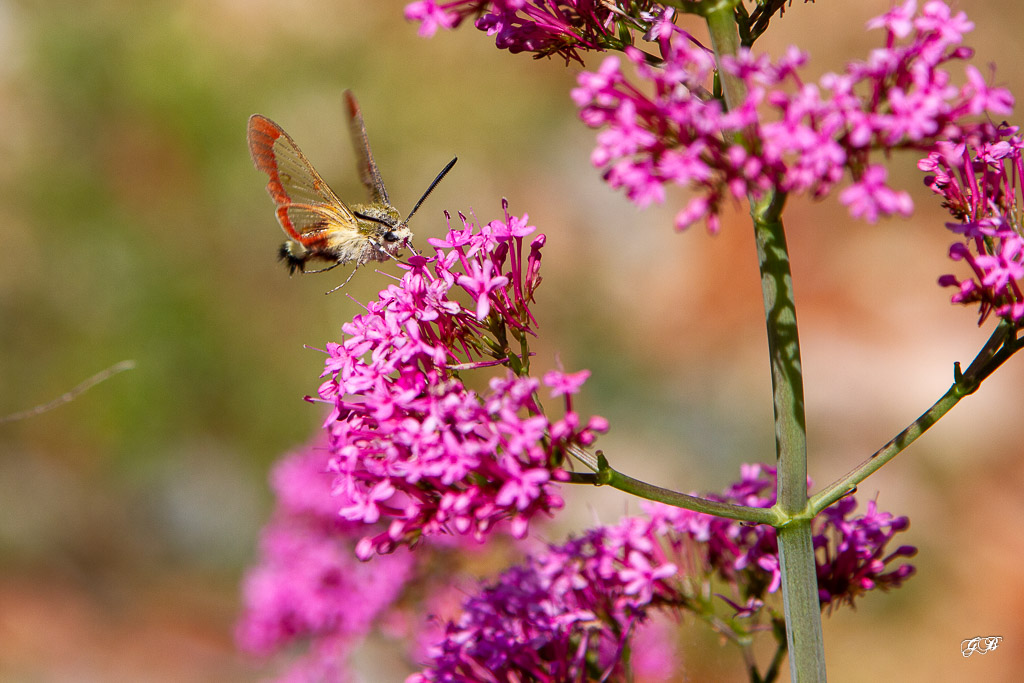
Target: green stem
(796, 552)
(999, 347)
(773, 670)
(609, 477)
(804, 637)
(726, 41)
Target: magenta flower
(479, 283)
(563, 384)
(851, 553)
(640, 578)
(869, 198)
(430, 16)
(562, 615)
(411, 445)
(311, 599)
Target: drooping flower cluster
(786, 135)
(414, 446)
(543, 27)
(850, 552)
(570, 613)
(979, 180)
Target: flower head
(851, 551)
(567, 611)
(310, 598)
(411, 444)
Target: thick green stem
(796, 552)
(800, 602)
(784, 352)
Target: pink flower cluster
(570, 613)
(979, 179)
(851, 554)
(411, 444)
(787, 135)
(543, 27)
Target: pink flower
(543, 27)
(430, 16)
(640, 577)
(870, 197)
(303, 586)
(480, 283)
(898, 21)
(562, 383)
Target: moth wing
(317, 225)
(306, 205)
(368, 172)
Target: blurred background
(135, 227)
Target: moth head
(384, 226)
(396, 238)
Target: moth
(319, 225)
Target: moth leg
(322, 270)
(343, 283)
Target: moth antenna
(442, 174)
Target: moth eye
(390, 236)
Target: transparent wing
(306, 206)
(368, 172)
(315, 224)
